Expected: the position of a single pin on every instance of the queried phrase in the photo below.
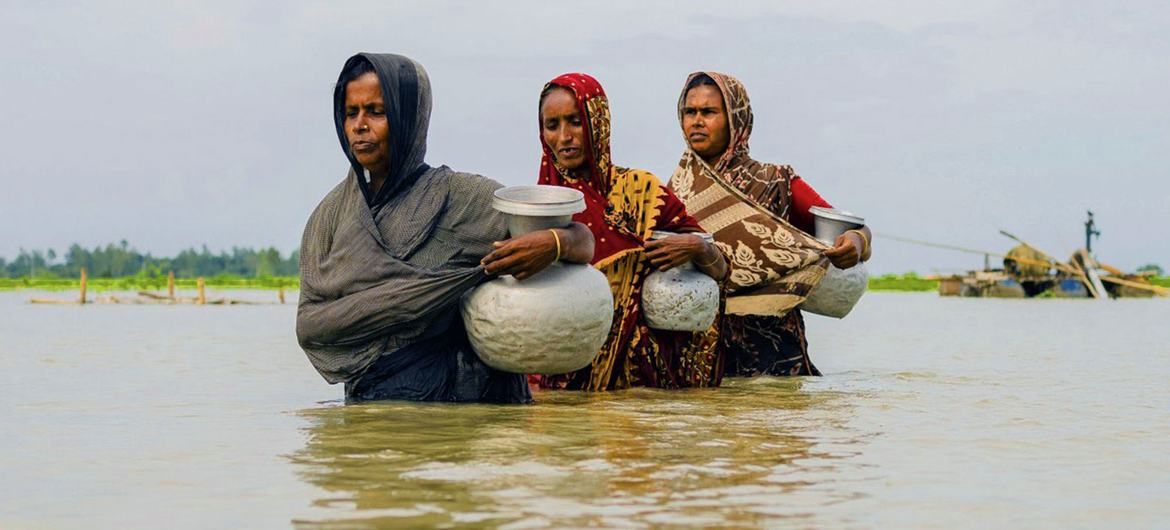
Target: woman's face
(704, 121)
(562, 128)
(366, 127)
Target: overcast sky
(178, 124)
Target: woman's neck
(374, 180)
(580, 172)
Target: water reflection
(743, 455)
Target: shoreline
(909, 282)
(135, 283)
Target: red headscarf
(612, 222)
(622, 207)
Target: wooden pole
(1059, 266)
(1083, 274)
(281, 295)
(199, 285)
(1137, 285)
(84, 277)
(171, 285)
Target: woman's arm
(804, 197)
(383, 308)
(669, 252)
(850, 248)
(528, 254)
(328, 318)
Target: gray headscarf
(406, 93)
(374, 280)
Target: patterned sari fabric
(622, 207)
(774, 265)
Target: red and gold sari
(622, 207)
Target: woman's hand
(525, 255)
(846, 251)
(672, 251)
(521, 256)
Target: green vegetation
(120, 267)
(1160, 281)
(148, 283)
(122, 260)
(1152, 267)
(909, 281)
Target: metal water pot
(840, 289)
(680, 299)
(553, 322)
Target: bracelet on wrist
(556, 238)
(710, 263)
(864, 241)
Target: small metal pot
(840, 290)
(831, 223)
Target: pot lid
(538, 200)
(837, 215)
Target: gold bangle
(864, 239)
(712, 262)
(557, 238)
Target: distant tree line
(1152, 267)
(121, 260)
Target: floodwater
(933, 413)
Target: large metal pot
(679, 299)
(841, 289)
(557, 320)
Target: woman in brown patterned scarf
(763, 332)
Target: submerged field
(908, 282)
(933, 413)
(133, 283)
(889, 282)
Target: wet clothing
(763, 332)
(382, 275)
(442, 368)
(764, 344)
(622, 207)
(767, 344)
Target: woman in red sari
(623, 206)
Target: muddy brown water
(933, 413)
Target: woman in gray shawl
(387, 254)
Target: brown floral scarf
(743, 202)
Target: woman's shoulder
(629, 177)
(332, 201)
(342, 189)
(469, 196)
(771, 170)
(467, 185)
(789, 171)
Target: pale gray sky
(174, 124)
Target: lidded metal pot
(552, 322)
